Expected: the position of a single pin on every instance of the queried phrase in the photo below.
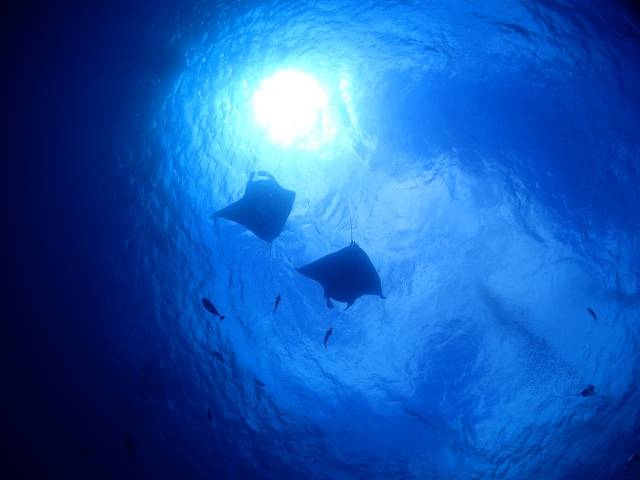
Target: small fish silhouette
(589, 391)
(593, 314)
(308, 457)
(218, 356)
(128, 444)
(211, 308)
(83, 452)
(326, 337)
(209, 414)
(258, 382)
(277, 302)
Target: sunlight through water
(293, 109)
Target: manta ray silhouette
(345, 275)
(263, 209)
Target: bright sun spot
(292, 107)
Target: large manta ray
(263, 209)
(345, 275)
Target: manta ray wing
(345, 275)
(263, 209)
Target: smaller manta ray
(278, 298)
(128, 444)
(209, 414)
(345, 275)
(258, 382)
(593, 314)
(326, 337)
(263, 209)
(211, 308)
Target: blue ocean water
(486, 157)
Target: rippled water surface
(485, 155)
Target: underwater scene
(322, 239)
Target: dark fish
(326, 337)
(211, 308)
(209, 414)
(128, 444)
(277, 302)
(309, 456)
(83, 452)
(633, 459)
(258, 382)
(589, 391)
(345, 275)
(593, 314)
(218, 356)
(263, 209)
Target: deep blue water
(486, 156)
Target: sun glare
(292, 107)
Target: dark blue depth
(484, 156)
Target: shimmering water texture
(484, 155)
